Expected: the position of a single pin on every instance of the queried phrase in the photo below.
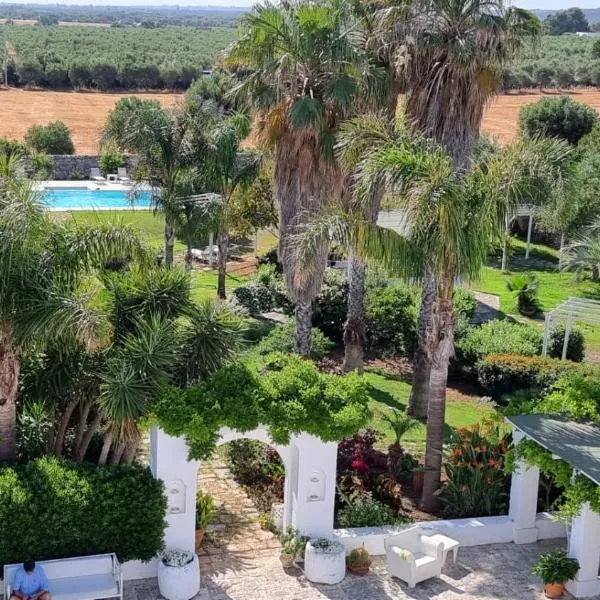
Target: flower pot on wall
(178, 581)
(554, 590)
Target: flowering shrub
(477, 484)
(365, 511)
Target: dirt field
(85, 112)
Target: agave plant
(525, 287)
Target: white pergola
(571, 310)
(579, 445)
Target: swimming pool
(83, 198)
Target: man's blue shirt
(30, 583)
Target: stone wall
(77, 166)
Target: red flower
(360, 466)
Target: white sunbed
(122, 174)
(95, 175)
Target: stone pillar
(169, 462)
(314, 489)
(585, 547)
(523, 499)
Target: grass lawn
(387, 392)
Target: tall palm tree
(304, 77)
(582, 253)
(447, 57)
(42, 268)
(168, 143)
(450, 224)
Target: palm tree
(42, 297)
(447, 57)
(582, 253)
(400, 425)
(227, 170)
(450, 224)
(303, 80)
(168, 144)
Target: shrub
(205, 510)
(505, 373)
(50, 508)
(54, 138)
(281, 339)
(271, 257)
(364, 511)
(525, 287)
(464, 304)
(331, 305)
(110, 159)
(475, 465)
(575, 346)
(391, 318)
(496, 337)
(34, 427)
(556, 567)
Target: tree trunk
(355, 331)
(223, 244)
(130, 450)
(169, 242)
(505, 256)
(84, 413)
(10, 368)
(59, 440)
(108, 439)
(117, 453)
(81, 449)
(562, 247)
(441, 338)
(419, 393)
(303, 313)
(188, 256)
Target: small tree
(110, 157)
(557, 117)
(54, 138)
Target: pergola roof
(577, 443)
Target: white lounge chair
(122, 174)
(95, 175)
(413, 557)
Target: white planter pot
(179, 583)
(324, 567)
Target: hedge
(52, 508)
(505, 373)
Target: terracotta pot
(359, 569)
(199, 538)
(287, 560)
(417, 481)
(554, 590)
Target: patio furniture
(448, 543)
(324, 561)
(413, 556)
(95, 174)
(81, 578)
(122, 174)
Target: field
(84, 113)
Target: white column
(170, 463)
(585, 547)
(523, 499)
(314, 492)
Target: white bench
(82, 578)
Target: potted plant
(324, 561)
(291, 544)
(178, 574)
(555, 569)
(359, 561)
(525, 287)
(205, 511)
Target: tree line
(109, 58)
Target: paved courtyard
(499, 572)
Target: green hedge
(51, 508)
(505, 373)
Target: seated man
(30, 583)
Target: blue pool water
(82, 198)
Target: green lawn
(388, 392)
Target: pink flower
(360, 466)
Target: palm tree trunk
(82, 449)
(441, 335)
(130, 450)
(419, 393)
(188, 256)
(223, 244)
(355, 333)
(84, 412)
(563, 241)
(10, 369)
(303, 314)
(169, 242)
(59, 440)
(108, 439)
(117, 453)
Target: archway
(309, 490)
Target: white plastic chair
(413, 557)
(95, 174)
(122, 174)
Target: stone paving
(499, 572)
